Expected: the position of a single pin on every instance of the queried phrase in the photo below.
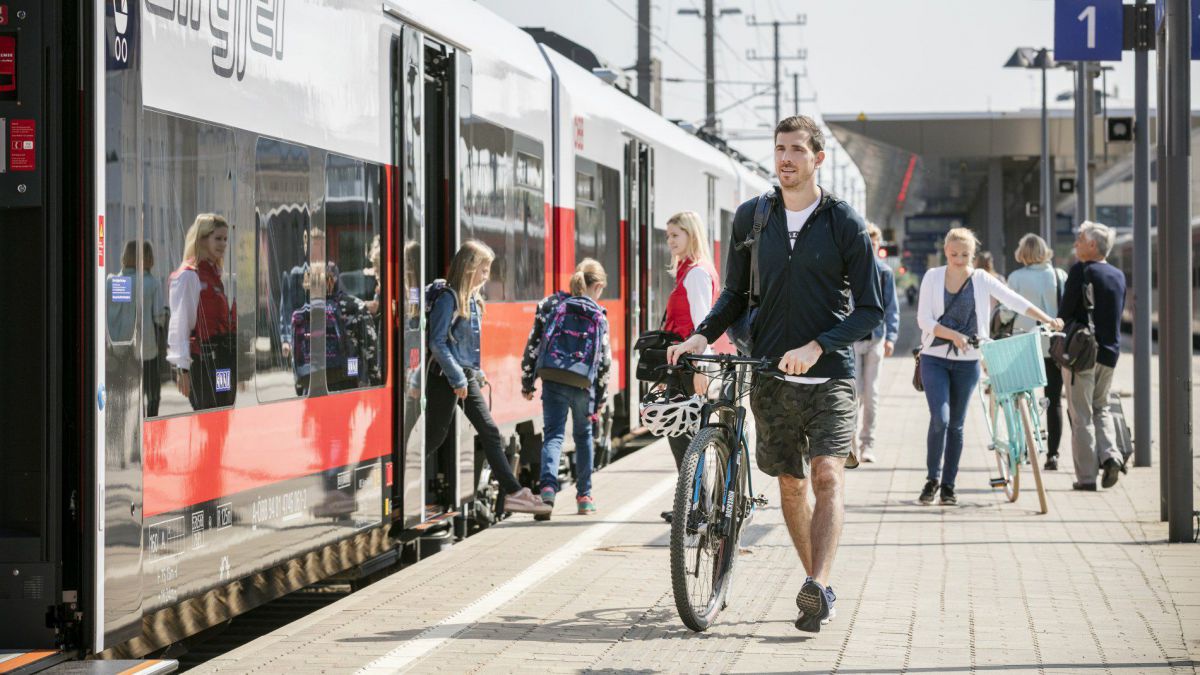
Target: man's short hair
(816, 139)
(1100, 234)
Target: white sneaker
(866, 455)
(524, 501)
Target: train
(351, 145)
(1122, 257)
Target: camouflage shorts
(795, 422)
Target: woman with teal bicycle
(952, 312)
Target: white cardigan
(932, 306)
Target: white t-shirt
(795, 223)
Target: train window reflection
(188, 226)
(354, 299)
(504, 206)
(598, 219)
(284, 237)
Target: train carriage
(134, 516)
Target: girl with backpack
(691, 300)
(569, 349)
(455, 327)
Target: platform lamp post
(1040, 59)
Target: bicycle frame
(732, 374)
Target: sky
(872, 56)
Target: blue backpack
(570, 352)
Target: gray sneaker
(524, 501)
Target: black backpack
(739, 332)
(1076, 349)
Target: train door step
(115, 667)
(29, 661)
(434, 519)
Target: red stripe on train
(195, 458)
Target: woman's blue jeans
(557, 401)
(948, 388)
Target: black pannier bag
(652, 353)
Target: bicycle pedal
(760, 501)
(997, 482)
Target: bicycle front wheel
(700, 548)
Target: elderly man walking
(1095, 292)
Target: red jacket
(214, 317)
(679, 309)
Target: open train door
(639, 209)
(408, 153)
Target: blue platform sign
(1088, 30)
(1196, 30)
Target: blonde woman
(1042, 284)
(200, 336)
(952, 311)
(565, 326)
(692, 298)
(455, 328)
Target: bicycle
(713, 493)
(1015, 369)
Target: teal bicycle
(1015, 370)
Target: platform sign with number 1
(1088, 30)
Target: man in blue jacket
(870, 351)
(814, 256)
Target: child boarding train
(348, 148)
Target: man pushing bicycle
(814, 262)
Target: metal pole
(710, 69)
(1141, 257)
(1164, 185)
(1089, 85)
(643, 49)
(1177, 347)
(778, 82)
(796, 93)
(1047, 222)
(1081, 130)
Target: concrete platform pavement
(985, 586)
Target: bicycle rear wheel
(700, 551)
(1031, 447)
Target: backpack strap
(762, 212)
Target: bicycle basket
(1015, 364)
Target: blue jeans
(557, 401)
(948, 388)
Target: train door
(408, 154)
(119, 332)
(639, 207)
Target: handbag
(1076, 349)
(917, 383)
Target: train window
(503, 201)
(529, 171)
(726, 237)
(190, 235)
(354, 281)
(285, 238)
(585, 187)
(598, 219)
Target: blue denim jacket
(454, 341)
(890, 326)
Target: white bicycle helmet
(669, 416)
